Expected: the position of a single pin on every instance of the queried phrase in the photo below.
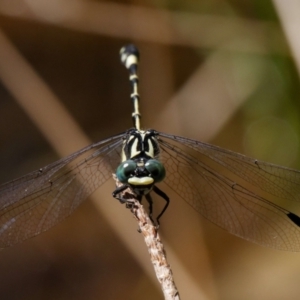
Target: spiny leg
(119, 190)
(150, 202)
(123, 198)
(165, 197)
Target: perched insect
(249, 198)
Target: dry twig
(154, 244)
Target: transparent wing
(249, 198)
(34, 203)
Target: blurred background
(225, 72)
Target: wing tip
(294, 218)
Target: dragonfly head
(141, 174)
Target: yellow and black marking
(140, 168)
(130, 58)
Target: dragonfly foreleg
(165, 197)
(126, 198)
(150, 202)
(117, 193)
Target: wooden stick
(154, 244)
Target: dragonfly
(249, 198)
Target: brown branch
(154, 244)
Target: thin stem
(154, 244)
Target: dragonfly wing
(246, 197)
(37, 201)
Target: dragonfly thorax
(140, 143)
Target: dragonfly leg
(128, 201)
(150, 202)
(165, 197)
(117, 191)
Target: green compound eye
(156, 169)
(125, 170)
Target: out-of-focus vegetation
(226, 72)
